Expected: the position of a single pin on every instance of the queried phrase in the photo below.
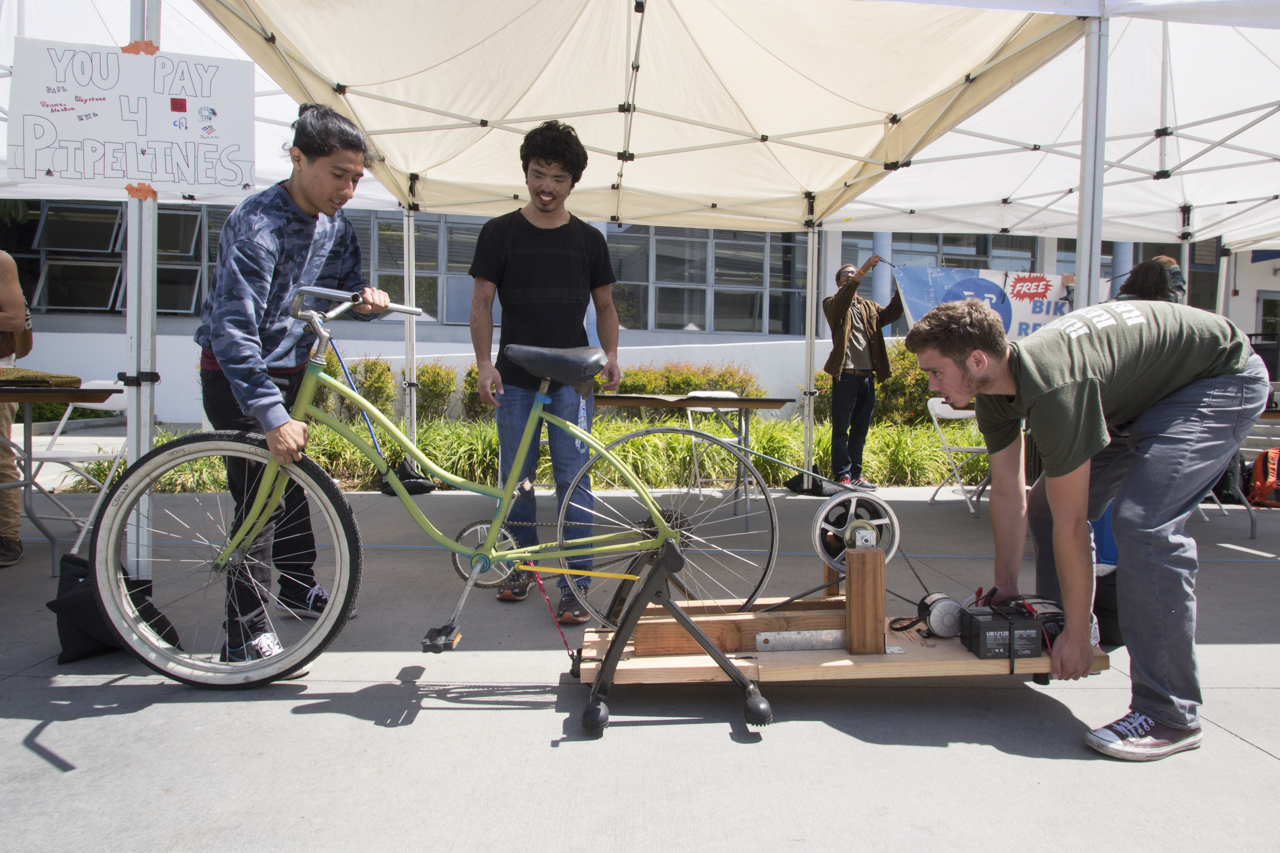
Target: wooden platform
(735, 633)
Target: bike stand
(667, 562)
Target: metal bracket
(135, 381)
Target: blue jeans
(1157, 475)
(853, 401)
(567, 458)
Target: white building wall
(1246, 280)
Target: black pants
(853, 401)
(285, 541)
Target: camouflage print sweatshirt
(267, 249)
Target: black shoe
(864, 484)
(1137, 737)
(310, 605)
(10, 551)
(571, 611)
(516, 586)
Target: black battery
(999, 632)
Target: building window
(855, 248)
(681, 308)
(79, 228)
(739, 311)
(390, 260)
(629, 255)
(78, 285)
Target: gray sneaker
(1137, 737)
(10, 551)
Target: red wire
(552, 611)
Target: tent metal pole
(810, 328)
(1225, 265)
(1164, 92)
(140, 322)
(410, 329)
(1093, 151)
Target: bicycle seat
(575, 366)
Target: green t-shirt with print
(1098, 369)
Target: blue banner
(1025, 301)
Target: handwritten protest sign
(96, 115)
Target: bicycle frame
(271, 489)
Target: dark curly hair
(554, 142)
(956, 329)
(1148, 281)
(321, 131)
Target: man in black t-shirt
(545, 265)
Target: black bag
(796, 484)
(1107, 610)
(1222, 489)
(82, 630)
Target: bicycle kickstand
(446, 637)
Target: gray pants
(1157, 474)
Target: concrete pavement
(382, 747)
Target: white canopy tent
(1192, 146)
(696, 113)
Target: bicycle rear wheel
(716, 500)
(159, 533)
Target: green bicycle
(170, 552)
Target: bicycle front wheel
(705, 489)
(258, 618)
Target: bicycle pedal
(441, 640)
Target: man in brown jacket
(858, 360)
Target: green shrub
(903, 398)
(436, 384)
(374, 382)
(822, 402)
(681, 377)
(324, 398)
(473, 408)
(44, 412)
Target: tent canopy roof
(1015, 164)
(701, 113)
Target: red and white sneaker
(1137, 737)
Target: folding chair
(76, 459)
(938, 408)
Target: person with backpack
(1143, 402)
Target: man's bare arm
(482, 338)
(607, 330)
(1069, 501)
(1008, 510)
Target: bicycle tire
(153, 549)
(720, 505)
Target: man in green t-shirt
(1143, 403)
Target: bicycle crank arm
(445, 639)
(441, 639)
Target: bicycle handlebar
(341, 296)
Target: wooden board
(920, 659)
(735, 632)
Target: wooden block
(735, 632)
(864, 601)
(831, 576)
